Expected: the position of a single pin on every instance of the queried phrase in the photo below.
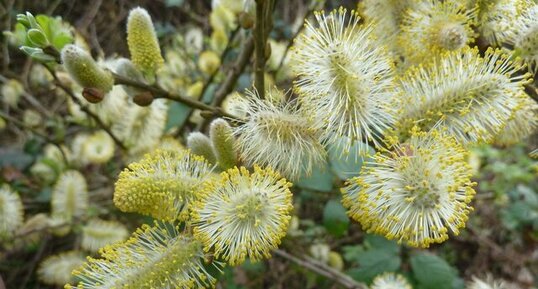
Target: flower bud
(84, 70)
(336, 261)
(219, 40)
(195, 90)
(143, 99)
(200, 145)
(142, 41)
(221, 136)
(208, 62)
(93, 95)
(246, 20)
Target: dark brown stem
(239, 66)
(260, 46)
(231, 79)
(531, 91)
(161, 93)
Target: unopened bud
(84, 70)
(93, 95)
(144, 98)
(246, 20)
(222, 139)
(208, 62)
(200, 145)
(142, 41)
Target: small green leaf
(37, 38)
(61, 40)
(431, 271)
(177, 115)
(319, 180)
(335, 218)
(382, 243)
(348, 165)
(373, 263)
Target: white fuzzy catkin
(345, 77)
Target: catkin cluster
(408, 78)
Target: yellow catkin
(142, 41)
(243, 214)
(415, 194)
(163, 184)
(156, 256)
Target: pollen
(243, 214)
(163, 184)
(416, 194)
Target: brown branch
(262, 27)
(85, 109)
(222, 56)
(234, 73)
(209, 81)
(229, 83)
(158, 92)
(310, 11)
(531, 91)
(322, 269)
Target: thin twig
(85, 109)
(209, 81)
(231, 79)
(531, 91)
(222, 56)
(260, 45)
(323, 270)
(158, 92)
(31, 99)
(310, 11)
(239, 66)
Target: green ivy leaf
(431, 271)
(335, 218)
(348, 165)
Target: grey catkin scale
(199, 144)
(222, 140)
(84, 70)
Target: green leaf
(373, 263)
(37, 38)
(382, 243)
(61, 40)
(348, 165)
(431, 271)
(173, 3)
(177, 115)
(16, 158)
(319, 180)
(335, 218)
